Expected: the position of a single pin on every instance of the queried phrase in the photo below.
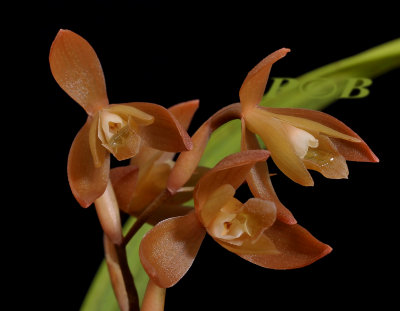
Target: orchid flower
(250, 230)
(299, 139)
(139, 183)
(119, 129)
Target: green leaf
(368, 64)
(100, 296)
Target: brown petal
(253, 86)
(232, 170)
(167, 251)
(326, 159)
(273, 133)
(187, 162)
(78, 71)
(86, 181)
(184, 112)
(259, 180)
(352, 151)
(263, 246)
(297, 248)
(260, 215)
(165, 133)
(149, 187)
(124, 180)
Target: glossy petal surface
(167, 251)
(253, 86)
(86, 181)
(274, 134)
(352, 151)
(78, 71)
(326, 159)
(259, 180)
(296, 246)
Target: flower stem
(108, 213)
(144, 216)
(131, 291)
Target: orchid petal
(86, 181)
(167, 251)
(124, 179)
(219, 198)
(313, 126)
(165, 133)
(231, 170)
(274, 134)
(352, 151)
(253, 86)
(76, 68)
(262, 246)
(297, 248)
(168, 211)
(187, 162)
(260, 215)
(259, 180)
(184, 112)
(149, 187)
(326, 159)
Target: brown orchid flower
(299, 139)
(119, 129)
(139, 183)
(250, 230)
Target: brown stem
(108, 213)
(144, 216)
(133, 297)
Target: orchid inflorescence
(154, 188)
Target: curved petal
(253, 87)
(149, 187)
(259, 180)
(168, 211)
(165, 133)
(184, 112)
(274, 134)
(187, 162)
(263, 246)
(352, 151)
(167, 251)
(86, 181)
(78, 71)
(231, 170)
(124, 180)
(297, 248)
(260, 215)
(326, 159)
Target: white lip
(301, 140)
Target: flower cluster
(154, 188)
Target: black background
(168, 52)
